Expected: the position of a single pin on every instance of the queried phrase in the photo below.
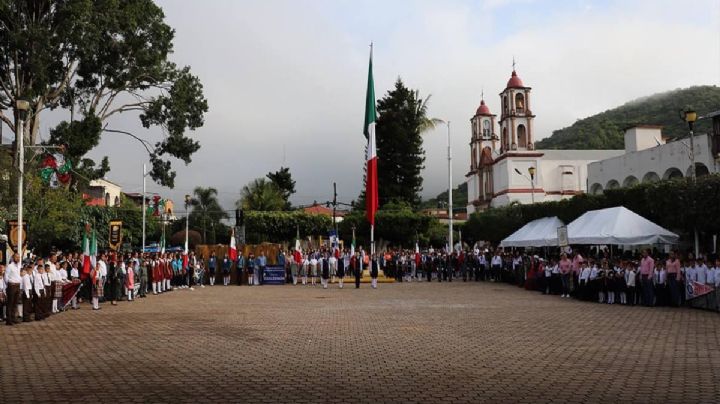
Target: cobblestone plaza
(405, 342)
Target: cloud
(286, 75)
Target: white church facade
(507, 168)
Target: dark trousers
(37, 306)
(428, 272)
(13, 295)
(27, 306)
(630, 295)
(143, 287)
(647, 291)
(674, 290)
(357, 279)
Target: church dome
(483, 109)
(514, 81)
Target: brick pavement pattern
(417, 342)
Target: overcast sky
(285, 80)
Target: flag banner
(115, 235)
(14, 235)
(86, 252)
(371, 180)
(69, 291)
(695, 289)
(233, 253)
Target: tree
(400, 125)
(98, 59)
(284, 182)
(206, 210)
(261, 195)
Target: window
(522, 136)
(486, 128)
(519, 102)
(107, 199)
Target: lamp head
(690, 116)
(531, 170)
(187, 199)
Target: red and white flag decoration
(371, 181)
(233, 254)
(695, 289)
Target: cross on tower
(513, 63)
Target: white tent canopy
(538, 233)
(617, 225)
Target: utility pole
(450, 202)
(21, 106)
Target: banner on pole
(13, 234)
(115, 235)
(695, 289)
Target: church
(505, 167)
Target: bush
(276, 227)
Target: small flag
(695, 289)
(233, 254)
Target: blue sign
(274, 275)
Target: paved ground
(402, 343)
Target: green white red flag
(371, 181)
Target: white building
(648, 158)
(500, 166)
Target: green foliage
(261, 195)
(283, 226)
(401, 122)
(207, 212)
(460, 198)
(52, 215)
(98, 59)
(396, 223)
(606, 130)
(678, 204)
(284, 182)
(130, 214)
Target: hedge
(678, 204)
(277, 227)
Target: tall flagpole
(372, 225)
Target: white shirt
(62, 275)
(711, 275)
(3, 287)
(74, 273)
(701, 273)
(332, 261)
(717, 277)
(585, 274)
(593, 273)
(483, 261)
(46, 279)
(548, 271)
(38, 284)
(102, 268)
(26, 285)
(496, 260)
(556, 269)
(690, 274)
(12, 273)
(660, 276)
(630, 278)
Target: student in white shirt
(584, 287)
(26, 288)
(3, 294)
(630, 279)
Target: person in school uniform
(583, 283)
(324, 266)
(240, 268)
(305, 269)
(620, 285)
(74, 277)
(226, 266)
(341, 269)
(717, 283)
(710, 275)
(333, 263)
(130, 281)
(97, 288)
(356, 266)
(28, 293)
(54, 283)
(295, 263)
(630, 282)
(700, 276)
(660, 276)
(38, 287)
(48, 291)
(313, 267)
(212, 265)
(374, 271)
(3, 294)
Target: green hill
(460, 198)
(605, 130)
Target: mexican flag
(371, 181)
(89, 251)
(233, 248)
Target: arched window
(519, 102)
(107, 199)
(486, 128)
(522, 136)
(505, 105)
(117, 201)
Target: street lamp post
(450, 202)
(21, 106)
(690, 117)
(144, 220)
(531, 171)
(187, 221)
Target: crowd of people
(36, 288)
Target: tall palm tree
(424, 124)
(206, 209)
(262, 195)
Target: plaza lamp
(690, 117)
(531, 171)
